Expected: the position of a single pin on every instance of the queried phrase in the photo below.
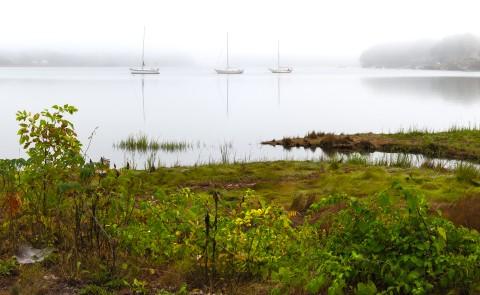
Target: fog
(192, 32)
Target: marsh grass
(226, 152)
(150, 162)
(466, 172)
(426, 131)
(175, 146)
(335, 160)
(470, 127)
(357, 159)
(411, 131)
(459, 142)
(386, 160)
(142, 143)
(402, 161)
(433, 164)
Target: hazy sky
(196, 28)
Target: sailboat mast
(143, 48)
(228, 62)
(278, 54)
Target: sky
(196, 29)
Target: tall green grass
(387, 160)
(471, 127)
(142, 143)
(357, 159)
(467, 172)
(226, 152)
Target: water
(210, 110)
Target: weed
(226, 152)
(8, 267)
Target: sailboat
(228, 69)
(279, 69)
(143, 69)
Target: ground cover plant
(340, 226)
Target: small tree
(51, 143)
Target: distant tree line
(79, 58)
(457, 52)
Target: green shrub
(8, 267)
(392, 245)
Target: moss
(282, 180)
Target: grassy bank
(456, 143)
(340, 226)
(156, 222)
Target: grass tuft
(142, 143)
(357, 159)
(466, 172)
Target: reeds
(452, 129)
(357, 159)
(467, 172)
(434, 164)
(150, 162)
(142, 143)
(387, 160)
(226, 152)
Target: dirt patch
(333, 142)
(301, 204)
(218, 185)
(6, 283)
(463, 212)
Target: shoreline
(455, 144)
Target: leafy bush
(390, 245)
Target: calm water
(209, 110)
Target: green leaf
(316, 284)
(366, 288)
(441, 231)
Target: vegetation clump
(467, 172)
(8, 267)
(142, 143)
(455, 143)
(383, 244)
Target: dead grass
(462, 212)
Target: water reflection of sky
(196, 105)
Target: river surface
(238, 111)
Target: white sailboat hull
(282, 70)
(229, 71)
(144, 71)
